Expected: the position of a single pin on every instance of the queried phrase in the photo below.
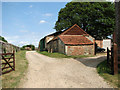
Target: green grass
(12, 79)
(59, 55)
(105, 72)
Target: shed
(73, 41)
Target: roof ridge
(75, 35)
(73, 27)
(68, 29)
(81, 29)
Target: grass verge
(105, 72)
(59, 55)
(12, 79)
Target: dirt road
(46, 72)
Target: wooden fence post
(0, 63)
(115, 58)
(94, 47)
(112, 60)
(107, 55)
(14, 60)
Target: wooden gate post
(115, 58)
(14, 60)
(112, 61)
(0, 64)
(107, 55)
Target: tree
(96, 18)
(31, 46)
(3, 39)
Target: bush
(103, 67)
(3, 39)
(104, 70)
(31, 46)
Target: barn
(44, 41)
(73, 41)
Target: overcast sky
(27, 22)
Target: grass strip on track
(12, 79)
(104, 71)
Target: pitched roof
(55, 34)
(74, 30)
(73, 36)
(75, 40)
(55, 38)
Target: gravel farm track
(47, 72)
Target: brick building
(73, 41)
(44, 41)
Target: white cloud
(23, 42)
(23, 31)
(48, 14)
(11, 38)
(25, 38)
(12, 41)
(42, 21)
(31, 6)
(15, 37)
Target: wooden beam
(6, 60)
(115, 58)
(14, 60)
(8, 57)
(6, 53)
(118, 55)
(7, 71)
(6, 67)
(118, 62)
(9, 62)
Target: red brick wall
(80, 50)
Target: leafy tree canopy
(3, 39)
(96, 18)
(31, 46)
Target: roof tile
(74, 30)
(75, 40)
